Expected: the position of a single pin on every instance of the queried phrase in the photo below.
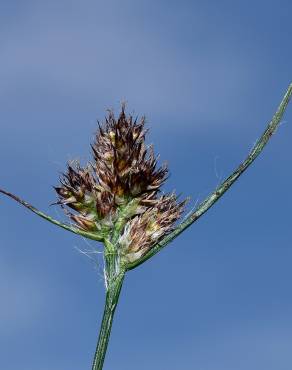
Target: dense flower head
(120, 190)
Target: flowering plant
(117, 200)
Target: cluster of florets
(121, 187)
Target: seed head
(120, 191)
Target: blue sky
(208, 76)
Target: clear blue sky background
(208, 75)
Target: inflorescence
(118, 196)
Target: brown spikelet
(123, 181)
(124, 165)
(146, 230)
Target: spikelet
(122, 187)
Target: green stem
(112, 298)
(226, 184)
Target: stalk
(111, 301)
